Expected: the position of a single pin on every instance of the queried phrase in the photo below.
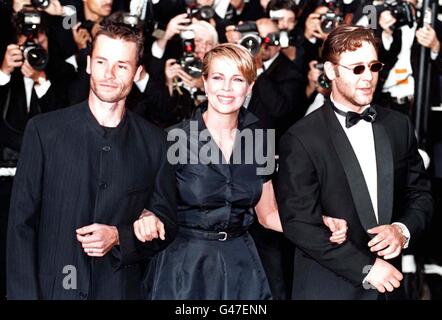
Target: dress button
(106, 148)
(103, 185)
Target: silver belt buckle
(224, 234)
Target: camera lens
(43, 4)
(193, 67)
(251, 42)
(206, 13)
(36, 56)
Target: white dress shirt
(40, 89)
(361, 139)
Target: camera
(29, 24)
(330, 20)
(282, 38)
(250, 38)
(191, 64)
(40, 4)
(199, 12)
(401, 11)
(322, 79)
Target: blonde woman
(213, 255)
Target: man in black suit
(85, 174)
(357, 162)
(279, 89)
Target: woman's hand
(149, 227)
(338, 227)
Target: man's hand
(338, 227)
(149, 227)
(388, 241)
(13, 59)
(18, 5)
(176, 25)
(386, 21)
(55, 8)
(426, 36)
(313, 27)
(81, 36)
(383, 276)
(232, 36)
(28, 71)
(97, 239)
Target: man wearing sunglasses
(358, 162)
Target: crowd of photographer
(45, 44)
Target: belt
(212, 235)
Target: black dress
(215, 201)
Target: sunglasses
(360, 68)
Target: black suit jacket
(320, 174)
(14, 112)
(72, 173)
(278, 92)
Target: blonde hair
(205, 26)
(236, 53)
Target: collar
(93, 123)
(245, 117)
(269, 62)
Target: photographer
(284, 12)
(318, 87)
(319, 18)
(27, 87)
(182, 50)
(88, 14)
(400, 51)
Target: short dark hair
(346, 38)
(124, 32)
(283, 4)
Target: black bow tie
(351, 118)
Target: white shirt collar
(269, 62)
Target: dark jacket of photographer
(278, 92)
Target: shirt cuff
(405, 232)
(4, 78)
(312, 40)
(157, 52)
(141, 84)
(42, 88)
(73, 61)
(69, 11)
(434, 55)
(386, 40)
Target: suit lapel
(385, 170)
(352, 169)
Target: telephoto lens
(42, 4)
(36, 56)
